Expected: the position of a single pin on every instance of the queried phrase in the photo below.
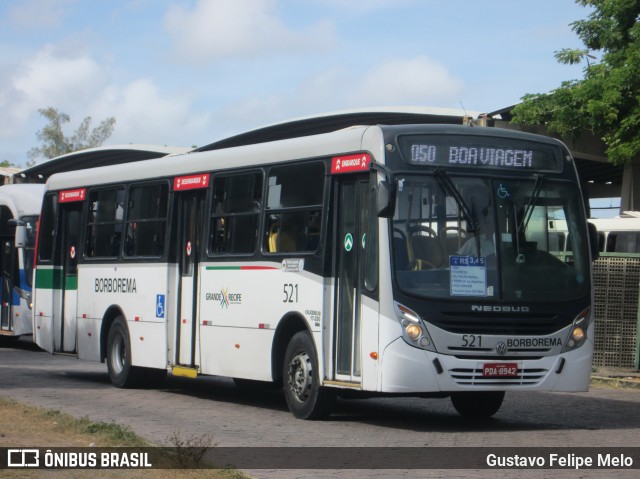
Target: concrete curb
(615, 382)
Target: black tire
(477, 405)
(300, 376)
(121, 373)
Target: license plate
(500, 370)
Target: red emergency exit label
(68, 196)
(350, 163)
(191, 182)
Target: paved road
(233, 417)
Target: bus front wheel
(478, 404)
(121, 373)
(305, 397)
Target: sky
(190, 72)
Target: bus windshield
(460, 236)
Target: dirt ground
(25, 426)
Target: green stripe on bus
(53, 279)
(71, 283)
(49, 279)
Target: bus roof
(348, 140)
(342, 141)
(22, 199)
(622, 223)
(99, 156)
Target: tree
(607, 100)
(55, 143)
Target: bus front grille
(501, 324)
(474, 377)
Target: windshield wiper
(470, 215)
(528, 211)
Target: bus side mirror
(593, 241)
(385, 199)
(20, 238)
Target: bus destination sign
(472, 152)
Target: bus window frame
(168, 226)
(323, 206)
(85, 223)
(54, 230)
(209, 214)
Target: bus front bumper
(405, 369)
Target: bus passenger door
(190, 220)
(7, 263)
(65, 315)
(352, 205)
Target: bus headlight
(578, 333)
(414, 332)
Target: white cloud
(224, 28)
(38, 14)
(145, 114)
(418, 81)
(413, 81)
(54, 77)
(73, 82)
(364, 6)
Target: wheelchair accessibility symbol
(159, 305)
(503, 192)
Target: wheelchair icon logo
(503, 192)
(160, 306)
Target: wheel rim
(300, 376)
(118, 352)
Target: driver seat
(427, 252)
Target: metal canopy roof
(92, 157)
(328, 122)
(587, 150)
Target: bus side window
(601, 241)
(236, 209)
(623, 242)
(47, 227)
(104, 225)
(294, 207)
(146, 220)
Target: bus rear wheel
(478, 404)
(305, 397)
(121, 373)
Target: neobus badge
(68, 196)
(350, 163)
(191, 182)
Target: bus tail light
(578, 333)
(414, 331)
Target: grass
(28, 426)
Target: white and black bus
(406, 259)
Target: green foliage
(55, 143)
(607, 100)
